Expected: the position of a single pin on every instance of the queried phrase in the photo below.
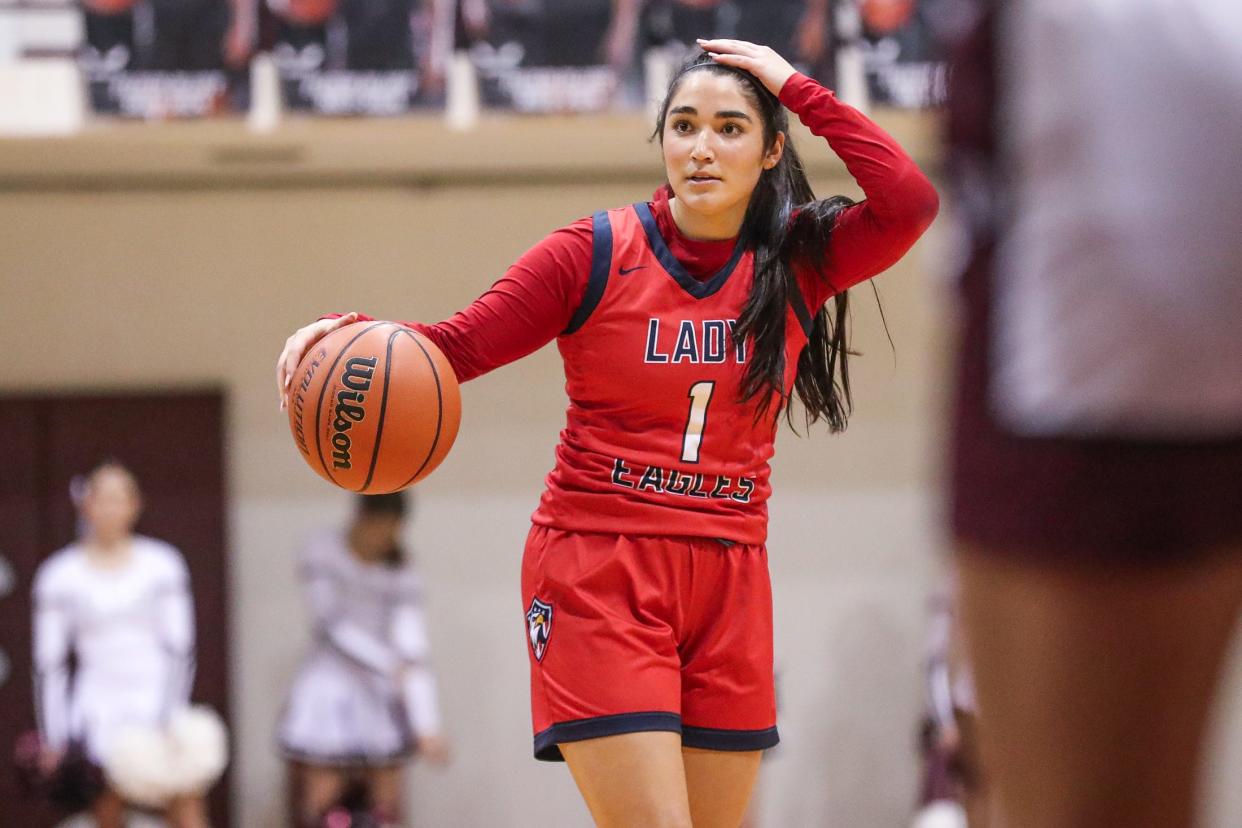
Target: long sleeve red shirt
(535, 299)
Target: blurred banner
(544, 55)
(588, 55)
(357, 57)
(902, 55)
(585, 55)
(186, 58)
(160, 59)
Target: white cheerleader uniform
(365, 687)
(131, 630)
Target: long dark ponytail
(784, 224)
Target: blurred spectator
(952, 783)
(114, 665)
(363, 702)
(1097, 466)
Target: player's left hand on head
(763, 62)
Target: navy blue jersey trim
(709, 738)
(601, 266)
(798, 301)
(697, 289)
(546, 741)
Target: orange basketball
(374, 407)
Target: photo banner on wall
(799, 30)
(544, 55)
(588, 55)
(159, 59)
(901, 53)
(355, 57)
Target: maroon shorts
(1086, 500)
(1059, 498)
(630, 633)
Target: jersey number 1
(700, 395)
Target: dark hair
(109, 465)
(393, 504)
(784, 224)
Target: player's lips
(702, 178)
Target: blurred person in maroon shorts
(1097, 462)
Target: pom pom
(198, 749)
(136, 765)
(150, 766)
(941, 814)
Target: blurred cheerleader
(953, 793)
(364, 701)
(120, 604)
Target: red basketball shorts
(630, 633)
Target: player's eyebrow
(721, 114)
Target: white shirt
(131, 629)
(1119, 286)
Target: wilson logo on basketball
(357, 380)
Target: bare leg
(719, 784)
(1095, 684)
(635, 780)
(385, 786)
(187, 812)
(109, 810)
(321, 787)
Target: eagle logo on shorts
(539, 627)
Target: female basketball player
(120, 603)
(364, 699)
(686, 323)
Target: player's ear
(773, 156)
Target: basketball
(374, 407)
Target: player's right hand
(433, 749)
(49, 759)
(296, 347)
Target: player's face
(714, 149)
(111, 505)
(375, 535)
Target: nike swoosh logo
(623, 271)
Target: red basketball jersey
(657, 440)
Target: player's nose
(702, 149)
